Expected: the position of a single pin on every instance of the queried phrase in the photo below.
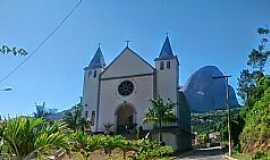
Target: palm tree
(27, 138)
(75, 120)
(159, 112)
(41, 111)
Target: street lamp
(228, 107)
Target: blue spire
(166, 51)
(98, 60)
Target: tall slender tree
(160, 112)
(256, 62)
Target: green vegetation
(203, 138)
(42, 111)
(216, 121)
(250, 125)
(34, 138)
(25, 138)
(160, 112)
(75, 120)
(256, 133)
(4, 49)
(258, 155)
(254, 89)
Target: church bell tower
(167, 73)
(91, 87)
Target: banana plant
(27, 138)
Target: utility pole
(228, 108)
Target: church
(120, 93)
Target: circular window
(125, 88)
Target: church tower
(91, 87)
(167, 73)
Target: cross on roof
(127, 42)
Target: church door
(125, 118)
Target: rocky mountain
(203, 93)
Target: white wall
(110, 99)
(170, 139)
(167, 80)
(127, 64)
(90, 93)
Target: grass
(241, 156)
(259, 156)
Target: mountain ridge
(203, 93)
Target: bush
(30, 138)
(152, 150)
(257, 129)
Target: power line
(62, 22)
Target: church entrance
(126, 118)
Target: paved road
(214, 153)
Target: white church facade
(120, 93)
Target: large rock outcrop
(203, 93)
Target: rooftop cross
(127, 42)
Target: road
(214, 153)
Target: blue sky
(205, 32)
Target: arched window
(93, 117)
(161, 65)
(95, 74)
(168, 64)
(86, 114)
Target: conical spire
(166, 51)
(98, 60)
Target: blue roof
(166, 51)
(98, 60)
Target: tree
(74, 118)
(256, 133)
(254, 89)
(259, 56)
(28, 138)
(246, 85)
(256, 61)
(160, 112)
(41, 111)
